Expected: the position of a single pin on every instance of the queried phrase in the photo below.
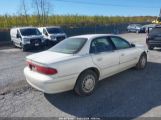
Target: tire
(142, 62)
(150, 47)
(24, 48)
(86, 83)
(14, 44)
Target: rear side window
(155, 31)
(101, 45)
(120, 43)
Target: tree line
(8, 21)
(42, 16)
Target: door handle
(122, 54)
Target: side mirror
(18, 36)
(133, 45)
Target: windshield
(54, 30)
(30, 31)
(155, 31)
(138, 25)
(69, 45)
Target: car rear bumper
(47, 84)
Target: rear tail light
(42, 69)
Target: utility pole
(160, 13)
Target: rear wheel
(14, 44)
(142, 62)
(86, 83)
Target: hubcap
(88, 83)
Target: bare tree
(35, 4)
(42, 8)
(24, 10)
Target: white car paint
(23, 40)
(70, 66)
(52, 37)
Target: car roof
(91, 36)
(23, 27)
(52, 27)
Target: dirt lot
(128, 94)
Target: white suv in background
(53, 34)
(26, 37)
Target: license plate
(36, 44)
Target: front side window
(69, 45)
(101, 45)
(120, 43)
(30, 31)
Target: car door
(104, 56)
(128, 54)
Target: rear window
(155, 31)
(69, 45)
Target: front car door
(128, 53)
(104, 56)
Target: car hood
(49, 57)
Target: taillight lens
(42, 69)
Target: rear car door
(128, 55)
(104, 56)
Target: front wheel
(86, 83)
(23, 47)
(142, 62)
(150, 47)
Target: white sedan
(79, 62)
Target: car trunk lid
(48, 57)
